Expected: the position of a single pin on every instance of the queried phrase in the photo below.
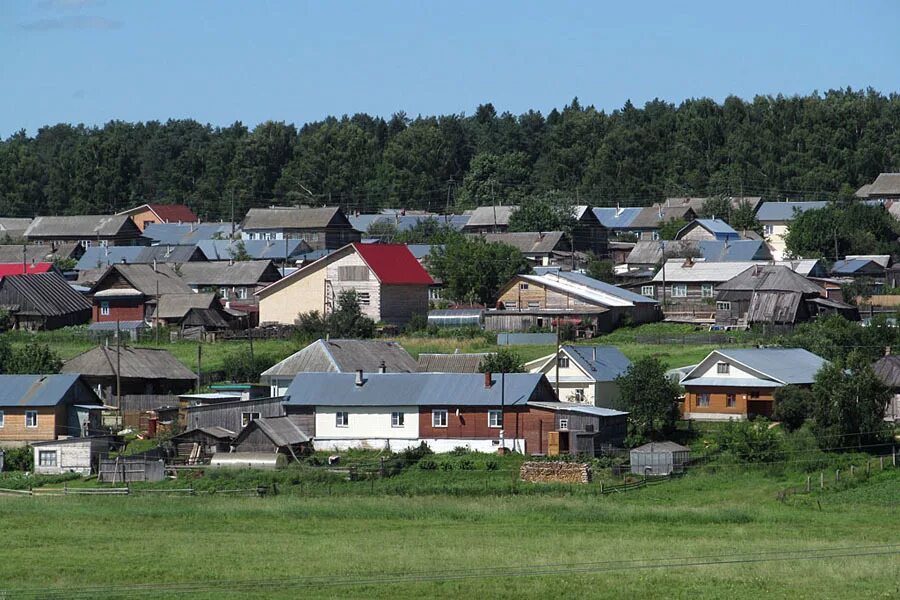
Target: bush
(414, 455)
(466, 464)
(460, 451)
(241, 367)
(491, 465)
(792, 406)
(417, 322)
(751, 441)
(446, 466)
(18, 459)
(427, 464)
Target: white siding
(366, 422)
(734, 372)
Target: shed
(71, 455)
(659, 458)
(199, 444)
(272, 434)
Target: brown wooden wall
(51, 423)
(718, 399)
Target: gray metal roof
(121, 325)
(37, 390)
(291, 217)
(597, 411)
(451, 363)
(246, 273)
(771, 278)
(81, 226)
(176, 306)
(652, 217)
(528, 242)
(257, 249)
(603, 287)
(133, 363)
(487, 216)
(12, 253)
(97, 257)
(654, 447)
(784, 211)
(603, 363)
(344, 356)
(717, 227)
(14, 223)
(415, 389)
(147, 280)
(186, 233)
(675, 271)
(651, 252)
(730, 382)
(46, 294)
(786, 365)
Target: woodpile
(555, 472)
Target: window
(579, 395)
(523, 286)
(341, 419)
(2, 419)
(769, 229)
(648, 290)
(268, 235)
(353, 273)
(47, 458)
(754, 394)
(723, 305)
(396, 419)
(723, 368)
(679, 290)
(654, 235)
(247, 417)
(439, 418)
(563, 361)
(702, 399)
(564, 424)
(362, 298)
(223, 292)
(512, 305)
(534, 304)
(730, 401)
(85, 243)
(706, 290)
(104, 308)
(31, 418)
(241, 293)
(495, 418)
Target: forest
(821, 146)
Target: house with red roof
(389, 282)
(24, 268)
(149, 214)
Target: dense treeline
(819, 146)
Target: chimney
(659, 211)
(688, 263)
(595, 353)
(487, 380)
(154, 265)
(382, 368)
(887, 350)
(359, 379)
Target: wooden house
(198, 445)
(37, 253)
(489, 219)
(230, 414)
(232, 280)
(35, 408)
(584, 374)
(740, 384)
(87, 230)
(321, 228)
(131, 292)
(71, 455)
(887, 368)
(708, 230)
(389, 282)
(536, 247)
(42, 301)
(151, 214)
(273, 435)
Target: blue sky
(85, 61)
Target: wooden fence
(129, 469)
(823, 479)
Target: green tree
(427, 231)
(649, 397)
(550, 212)
(473, 270)
(669, 229)
(602, 269)
(503, 360)
(347, 321)
(241, 366)
(842, 228)
(718, 207)
(382, 229)
(238, 252)
(33, 358)
(743, 218)
(793, 405)
(751, 441)
(850, 402)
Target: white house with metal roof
(741, 383)
(586, 374)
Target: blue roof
(787, 365)
(607, 288)
(617, 218)
(97, 257)
(406, 222)
(597, 411)
(185, 234)
(784, 211)
(35, 390)
(734, 250)
(257, 249)
(719, 228)
(525, 339)
(420, 251)
(418, 389)
(848, 267)
(603, 363)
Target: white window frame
(730, 400)
(523, 286)
(240, 293)
(564, 424)
(768, 229)
(2, 419)
(654, 236)
(398, 419)
(534, 304)
(42, 454)
(104, 308)
(703, 400)
(495, 419)
(223, 292)
(579, 395)
(562, 361)
(31, 416)
(512, 305)
(342, 418)
(248, 417)
(682, 290)
(440, 418)
(707, 290)
(648, 291)
(723, 368)
(723, 305)
(363, 299)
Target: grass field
(386, 545)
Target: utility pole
(557, 356)
(158, 308)
(662, 244)
(118, 372)
(502, 410)
(232, 212)
(199, 363)
(24, 259)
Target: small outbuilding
(273, 435)
(198, 445)
(72, 455)
(659, 458)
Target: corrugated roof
(133, 363)
(80, 226)
(121, 325)
(886, 184)
(415, 389)
(174, 213)
(11, 253)
(147, 280)
(451, 363)
(257, 249)
(717, 227)
(345, 356)
(784, 211)
(588, 289)
(675, 271)
(185, 233)
(214, 431)
(177, 306)
(771, 278)
(526, 339)
(488, 216)
(36, 390)
(888, 370)
(281, 430)
(14, 223)
(291, 217)
(27, 268)
(851, 266)
(393, 264)
(527, 242)
(603, 363)
(617, 218)
(652, 217)
(46, 294)
(597, 411)
(784, 365)
(246, 273)
(651, 252)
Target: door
(552, 443)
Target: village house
(708, 230)
(188, 234)
(39, 253)
(774, 295)
(338, 356)
(645, 225)
(273, 435)
(870, 268)
(389, 282)
(776, 218)
(887, 368)
(71, 455)
(741, 383)
(588, 233)
(696, 203)
(98, 258)
(457, 362)
(552, 295)
(202, 310)
(584, 374)
(198, 445)
(222, 409)
(87, 230)
(282, 252)
(13, 228)
(489, 219)
(35, 408)
(233, 280)
(537, 247)
(322, 228)
(885, 187)
(151, 214)
(42, 301)
(649, 255)
(131, 292)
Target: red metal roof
(16, 268)
(393, 264)
(174, 213)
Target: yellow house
(586, 374)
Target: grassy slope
(209, 539)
